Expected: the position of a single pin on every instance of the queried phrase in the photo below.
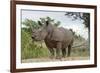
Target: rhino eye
(33, 32)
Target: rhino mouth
(35, 39)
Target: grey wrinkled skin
(56, 39)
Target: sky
(66, 22)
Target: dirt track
(48, 59)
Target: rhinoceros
(56, 39)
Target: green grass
(80, 52)
(30, 49)
(34, 51)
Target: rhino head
(41, 33)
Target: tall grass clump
(30, 49)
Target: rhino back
(61, 34)
(68, 35)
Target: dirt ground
(48, 59)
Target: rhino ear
(47, 23)
(39, 23)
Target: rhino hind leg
(69, 50)
(64, 52)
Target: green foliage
(30, 23)
(56, 23)
(80, 52)
(79, 15)
(30, 49)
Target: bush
(30, 49)
(80, 52)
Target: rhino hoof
(51, 57)
(58, 58)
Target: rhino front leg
(69, 50)
(64, 52)
(58, 51)
(52, 53)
